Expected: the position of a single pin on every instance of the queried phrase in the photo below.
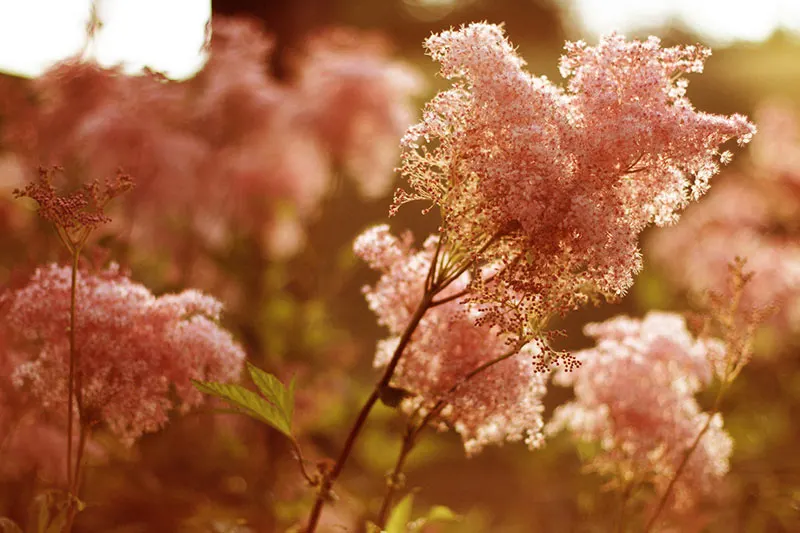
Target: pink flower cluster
(752, 215)
(29, 442)
(359, 103)
(137, 353)
(634, 398)
(569, 176)
(502, 403)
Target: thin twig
(72, 364)
(394, 480)
(330, 477)
(413, 431)
(301, 462)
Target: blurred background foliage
(307, 317)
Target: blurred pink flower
(360, 102)
(502, 403)
(777, 150)
(635, 399)
(570, 176)
(732, 222)
(137, 352)
(234, 148)
(752, 215)
(28, 443)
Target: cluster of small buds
(634, 397)
(565, 179)
(501, 403)
(138, 352)
(81, 210)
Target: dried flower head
(564, 179)
(635, 399)
(137, 352)
(79, 210)
(77, 214)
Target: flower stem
(624, 499)
(394, 480)
(330, 477)
(438, 278)
(72, 364)
(685, 460)
(73, 505)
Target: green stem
(298, 453)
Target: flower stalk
(329, 478)
(395, 479)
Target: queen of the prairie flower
(755, 215)
(138, 352)
(501, 403)
(563, 178)
(634, 398)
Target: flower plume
(635, 399)
(137, 350)
(567, 176)
(502, 403)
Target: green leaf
(274, 391)
(249, 402)
(9, 526)
(441, 513)
(401, 516)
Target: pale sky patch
(717, 21)
(165, 35)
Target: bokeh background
(298, 308)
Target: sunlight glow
(718, 21)
(165, 35)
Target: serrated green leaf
(292, 384)
(401, 516)
(274, 391)
(248, 401)
(9, 526)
